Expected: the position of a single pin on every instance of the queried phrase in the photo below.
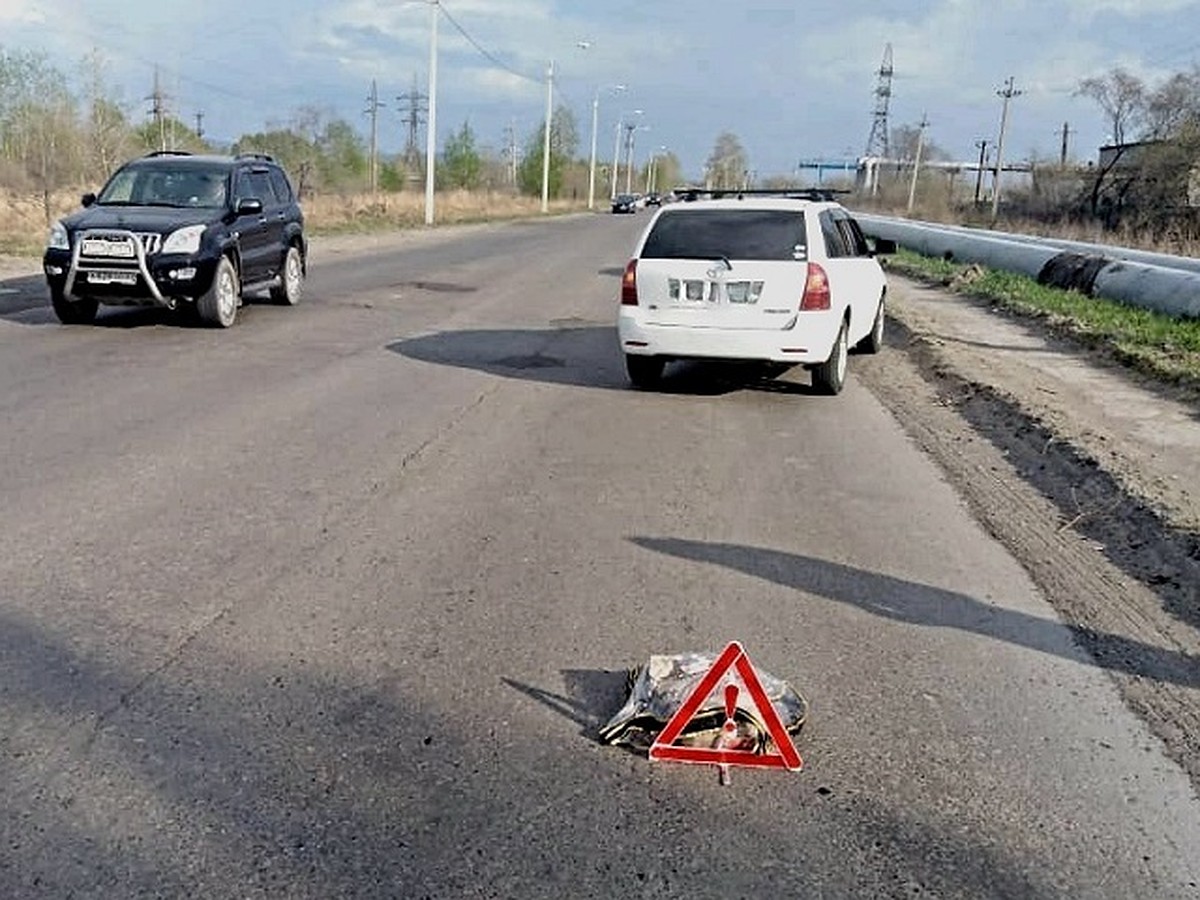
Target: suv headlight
(59, 239)
(185, 240)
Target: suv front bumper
(135, 278)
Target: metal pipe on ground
(1173, 290)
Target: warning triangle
(735, 658)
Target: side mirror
(88, 199)
(884, 247)
(249, 207)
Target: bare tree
(1122, 97)
(107, 124)
(1173, 106)
(727, 165)
(904, 144)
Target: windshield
(167, 185)
(750, 234)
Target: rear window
(758, 234)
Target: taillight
(629, 295)
(816, 289)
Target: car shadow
(21, 294)
(300, 780)
(582, 355)
(920, 604)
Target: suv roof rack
(262, 157)
(816, 194)
(168, 153)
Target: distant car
(781, 279)
(654, 199)
(180, 231)
(624, 203)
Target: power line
(486, 54)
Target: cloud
(25, 12)
(1086, 9)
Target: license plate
(100, 247)
(112, 278)
(743, 291)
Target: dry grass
(23, 219)
(364, 212)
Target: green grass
(1161, 346)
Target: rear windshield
(761, 234)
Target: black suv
(171, 229)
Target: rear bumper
(808, 342)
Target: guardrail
(1166, 284)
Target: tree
(344, 161)
(39, 123)
(462, 166)
(108, 129)
(293, 150)
(1173, 106)
(727, 165)
(564, 141)
(904, 144)
(1122, 97)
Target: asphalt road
(332, 603)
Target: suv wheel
(830, 376)
(291, 279)
(74, 312)
(219, 304)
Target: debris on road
(701, 708)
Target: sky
(793, 81)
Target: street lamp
(617, 150)
(632, 129)
(546, 137)
(614, 89)
(431, 128)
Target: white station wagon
(781, 279)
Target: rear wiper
(725, 261)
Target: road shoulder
(1081, 469)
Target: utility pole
(1066, 133)
(1008, 93)
(982, 145)
(510, 152)
(592, 164)
(912, 187)
(413, 106)
(431, 131)
(158, 109)
(372, 110)
(546, 138)
(616, 170)
(630, 130)
(200, 124)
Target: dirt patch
(1082, 472)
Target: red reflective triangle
(734, 657)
